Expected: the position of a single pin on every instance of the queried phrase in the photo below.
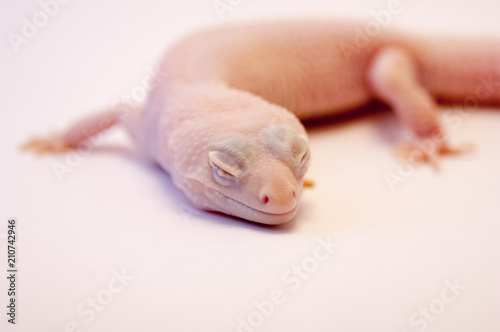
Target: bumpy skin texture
(224, 121)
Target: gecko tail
(83, 130)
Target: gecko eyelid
(226, 168)
(305, 158)
(300, 148)
(304, 163)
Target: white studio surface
(114, 246)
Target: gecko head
(259, 177)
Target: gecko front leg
(74, 134)
(126, 114)
(393, 78)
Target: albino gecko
(224, 120)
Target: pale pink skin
(241, 89)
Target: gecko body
(224, 120)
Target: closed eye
(305, 158)
(229, 160)
(222, 177)
(301, 154)
(227, 163)
(225, 168)
(304, 163)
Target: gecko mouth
(241, 210)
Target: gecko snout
(278, 198)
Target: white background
(197, 271)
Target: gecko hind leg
(393, 78)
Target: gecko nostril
(265, 200)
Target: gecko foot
(422, 153)
(52, 144)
